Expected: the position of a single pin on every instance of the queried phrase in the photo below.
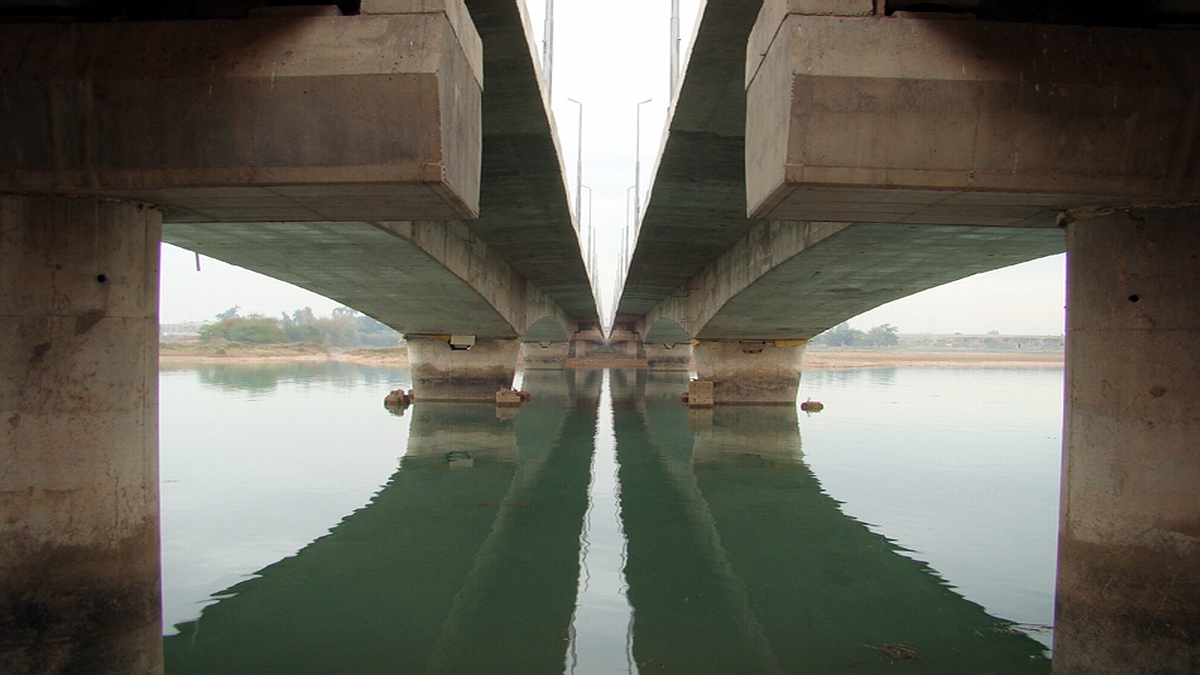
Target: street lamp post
(637, 171)
(548, 49)
(579, 168)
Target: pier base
(444, 372)
(751, 371)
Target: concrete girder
(420, 277)
(965, 122)
(307, 118)
(789, 281)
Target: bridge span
(823, 158)
(398, 156)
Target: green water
(604, 528)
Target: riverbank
(199, 352)
(832, 359)
(814, 359)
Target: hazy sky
(610, 56)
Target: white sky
(610, 56)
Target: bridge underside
(890, 154)
(307, 146)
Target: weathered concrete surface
(545, 355)
(441, 373)
(522, 254)
(964, 122)
(677, 356)
(79, 577)
(417, 277)
(525, 215)
(318, 118)
(793, 280)
(697, 207)
(1129, 549)
(751, 372)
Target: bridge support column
(545, 355)
(672, 357)
(1129, 545)
(79, 547)
(751, 371)
(442, 372)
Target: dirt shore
(814, 359)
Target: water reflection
(465, 562)
(468, 559)
(739, 563)
(258, 377)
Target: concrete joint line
(1085, 212)
(92, 198)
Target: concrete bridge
(396, 155)
(826, 157)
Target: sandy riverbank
(828, 359)
(230, 353)
(814, 359)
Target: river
(605, 528)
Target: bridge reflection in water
(468, 560)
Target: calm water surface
(604, 528)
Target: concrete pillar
(674, 357)
(79, 548)
(1129, 548)
(758, 372)
(443, 373)
(545, 355)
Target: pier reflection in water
(468, 560)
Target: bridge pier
(442, 371)
(79, 547)
(545, 355)
(669, 356)
(1129, 549)
(751, 371)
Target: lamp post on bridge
(637, 170)
(579, 168)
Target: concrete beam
(419, 277)
(888, 120)
(79, 550)
(788, 280)
(311, 118)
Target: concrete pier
(751, 371)
(1129, 549)
(442, 371)
(545, 355)
(79, 551)
(669, 356)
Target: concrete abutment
(1128, 597)
(79, 538)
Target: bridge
(823, 158)
(395, 155)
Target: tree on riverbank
(843, 335)
(345, 329)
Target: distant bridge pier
(669, 356)
(545, 355)
(461, 368)
(79, 547)
(1129, 548)
(750, 371)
